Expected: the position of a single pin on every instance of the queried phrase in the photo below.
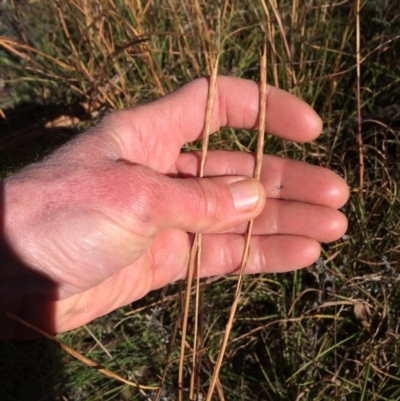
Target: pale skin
(109, 216)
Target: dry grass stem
(194, 259)
(167, 362)
(191, 268)
(246, 252)
(359, 129)
(284, 39)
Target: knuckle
(211, 204)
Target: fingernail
(245, 194)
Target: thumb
(205, 204)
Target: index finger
(178, 118)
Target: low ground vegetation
(330, 331)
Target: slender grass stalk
(191, 267)
(196, 246)
(359, 128)
(246, 252)
(204, 150)
(284, 39)
(196, 346)
(167, 359)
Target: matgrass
(328, 332)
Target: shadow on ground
(33, 370)
(30, 130)
(30, 371)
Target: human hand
(107, 218)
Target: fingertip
(309, 125)
(309, 253)
(312, 123)
(343, 193)
(337, 193)
(337, 227)
(302, 252)
(286, 253)
(291, 118)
